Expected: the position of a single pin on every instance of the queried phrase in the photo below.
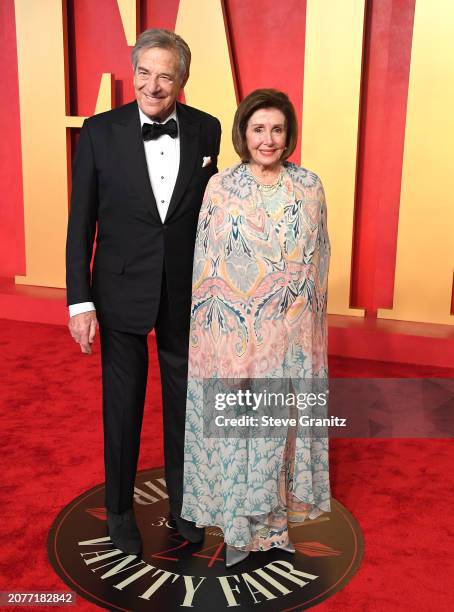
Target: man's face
(157, 82)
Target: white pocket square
(206, 161)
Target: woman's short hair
(165, 39)
(264, 98)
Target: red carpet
(400, 491)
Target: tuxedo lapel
(128, 136)
(189, 146)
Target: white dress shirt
(163, 162)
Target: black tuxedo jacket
(111, 193)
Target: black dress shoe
(188, 530)
(123, 532)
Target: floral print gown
(258, 311)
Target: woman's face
(266, 134)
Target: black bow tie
(151, 131)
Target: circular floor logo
(173, 574)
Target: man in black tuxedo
(139, 175)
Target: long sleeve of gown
(320, 267)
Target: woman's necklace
(268, 189)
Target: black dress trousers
(124, 376)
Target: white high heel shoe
(288, 547)
(234, 556)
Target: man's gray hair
(165, 39)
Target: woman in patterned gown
(258, 312)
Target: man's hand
(83, 329)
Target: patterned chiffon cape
(258, 312)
